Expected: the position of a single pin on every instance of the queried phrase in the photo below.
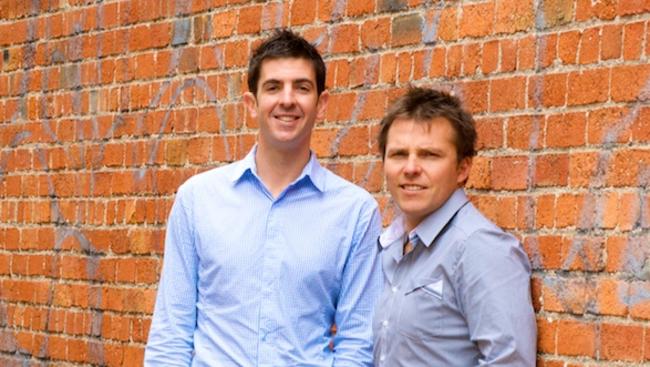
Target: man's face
(287, 104)
(421, 167)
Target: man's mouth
(286, 118)
(411, 187)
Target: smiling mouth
(412, 188)
(286, 118)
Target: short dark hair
(423, 105)
(285, 44)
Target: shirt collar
(313, 171)
(429, 228)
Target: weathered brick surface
(106, 107)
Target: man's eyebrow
(303, 80)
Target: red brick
(588, 87)
(621, 342)
(477, 20)
(589, 46)
(510, 172)
(639, 302)
(490, 55)
(576, 338)
(511, 95)
(527, 53)
(513, 16)
(568, 43)
(406, 30)
(633, 34)
(224, 24)
(611, 294)
(611, 42)
(358, 8)
(479, 177)
(249, 19)
(547, 91)
(563, 131)
(471, 58)
(490, 133)
(405, 67)
(448, 27)
(629, 83)
(375, 33)
(345, 38)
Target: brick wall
(107, 106)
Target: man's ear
(321, 107)
(250, 102)
(463, 171)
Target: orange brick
(632, 40)
(546, 334)
(511, 96)
(345, 38)
(611, 293)
(639, 301)
(621, 342)
(589, 46)
(375, 33)
(471, 58)
(510, 172)
(448, 27)
(567, 210)
(576, 338)
(490, 55)
(629, 83)
(250, 18)
(489, 130)
(547, 91)
(477, 20)
(611, 42)
(358, 8)
(568, 43)
(588, 87)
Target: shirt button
(382, 357)
(394, 289)
(385, 323)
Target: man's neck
(277, 169)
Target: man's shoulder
(474, 229)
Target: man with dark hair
(264, 255)
(456, 287)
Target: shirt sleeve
(171, 334)
(493, 279)
(360, 288)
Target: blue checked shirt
(249, 280)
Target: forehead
(287, 68)
(411, 131)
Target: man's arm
(360, 289)
(494, 291)
(171, 337)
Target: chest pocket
(423, 308)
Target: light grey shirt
(460, 298)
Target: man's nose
(412, 165)
(287, 96)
